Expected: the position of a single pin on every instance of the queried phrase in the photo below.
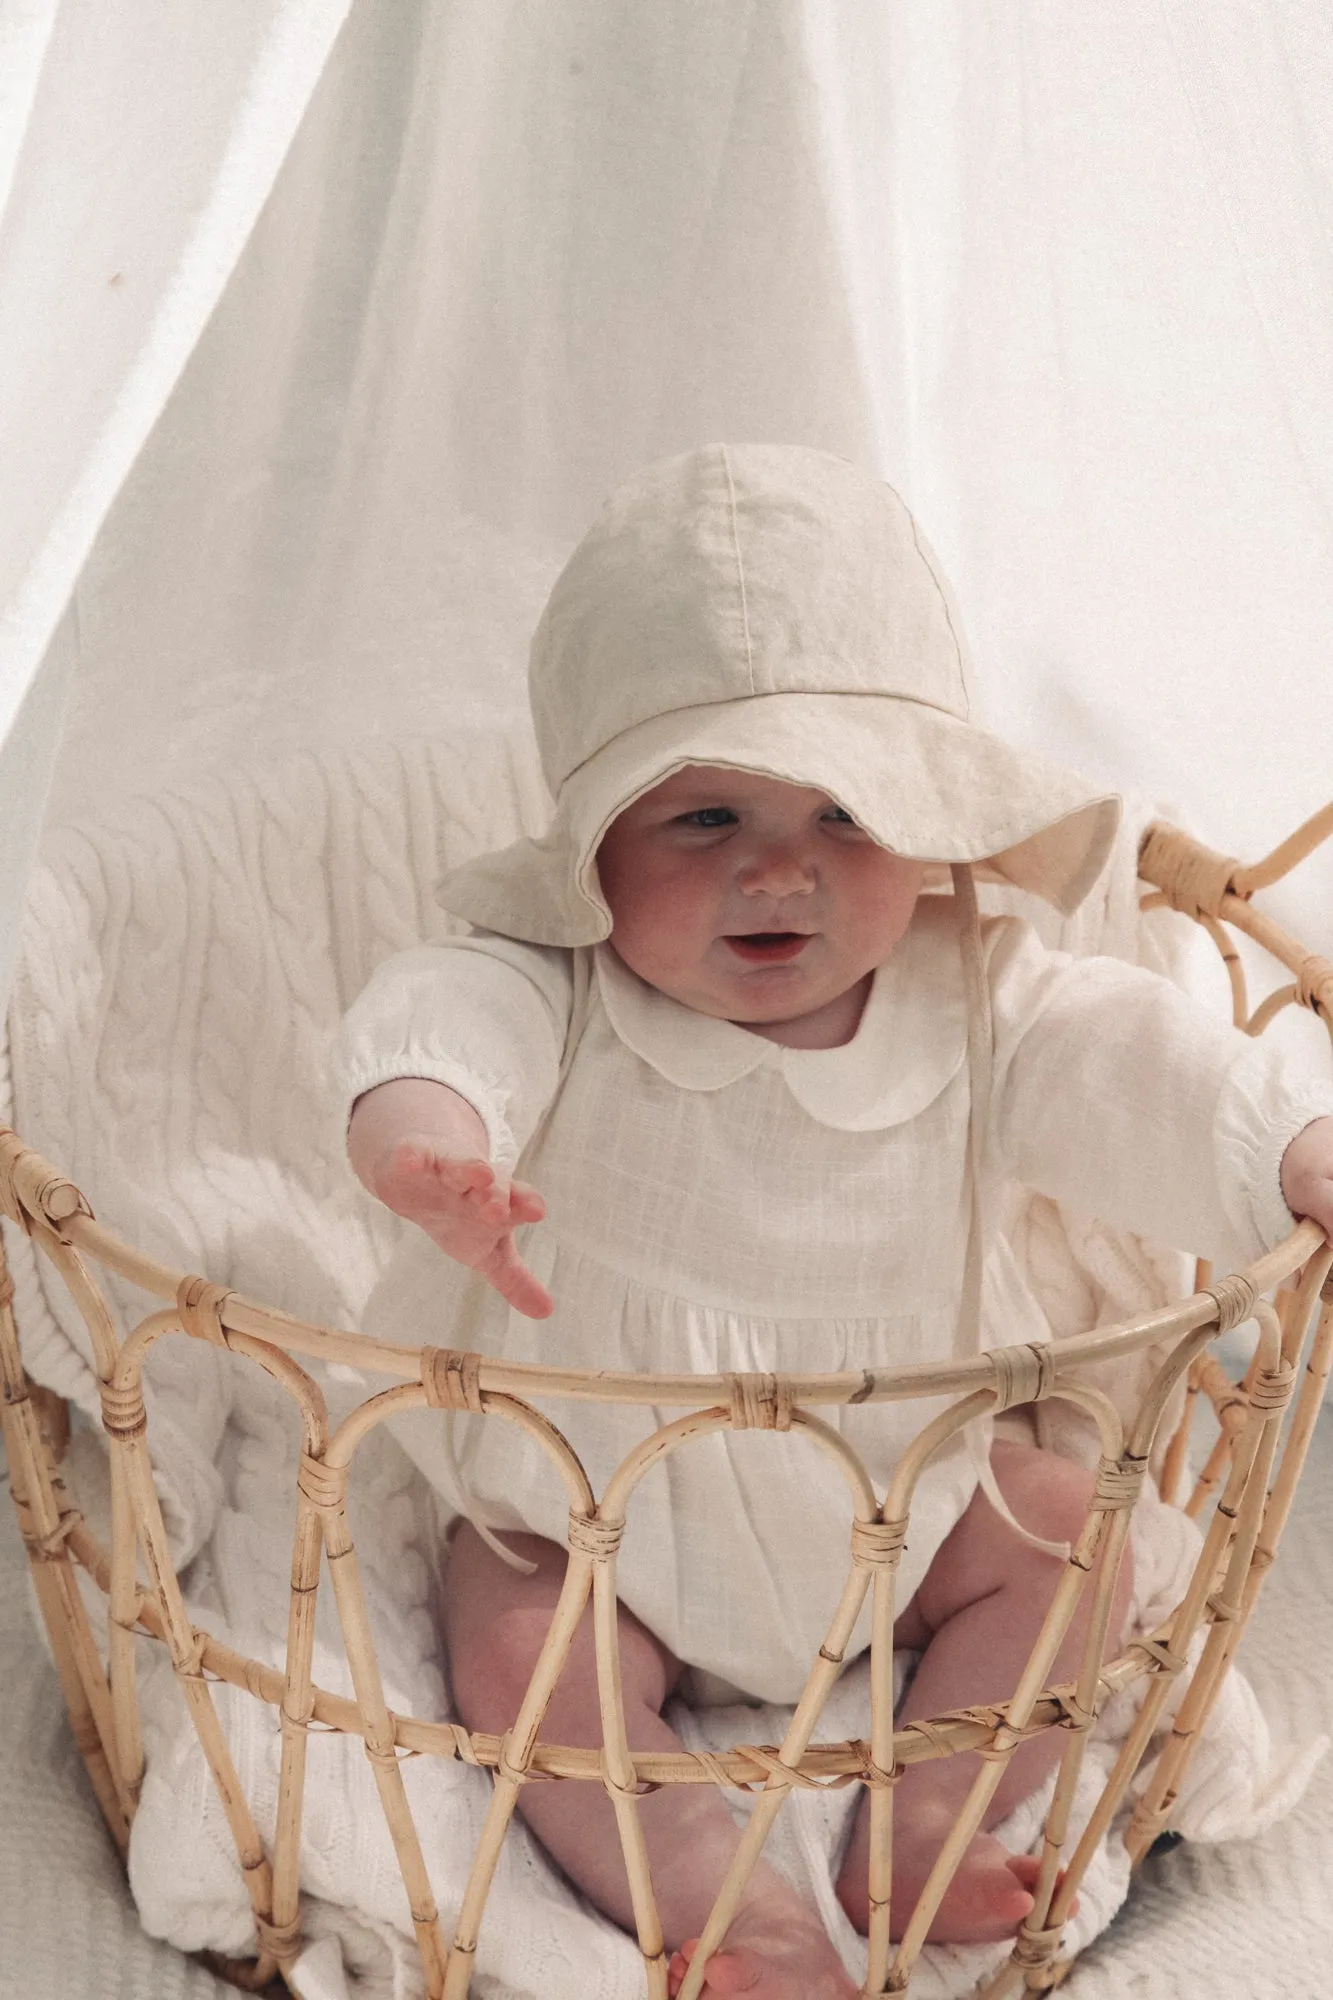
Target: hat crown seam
(740, 568)
(943, 594)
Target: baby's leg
(976, 1617)
(495, 1621)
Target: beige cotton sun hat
(773, 609)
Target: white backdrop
(317, 349)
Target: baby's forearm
(411, 1107)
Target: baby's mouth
(769, 947)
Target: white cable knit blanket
(184, 965)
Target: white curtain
(320, 340)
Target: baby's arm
(421, 1149)
(444, 1066)
(1118, 1093)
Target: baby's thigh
(495, 1621)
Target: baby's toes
(736, 1970)
(680, 1965)
(1027, 1867)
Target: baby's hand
(419, 1148)
(1307, 1174)
(470, 1211)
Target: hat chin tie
(981, 1077)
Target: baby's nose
(777, 871)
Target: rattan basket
(1245, 1491)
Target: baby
(762, 1089)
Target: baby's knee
(1048, 1495)
(490, 1671)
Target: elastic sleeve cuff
(1264, 1103)
(1272, 1218)
(354, 1079)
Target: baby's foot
(768, 1956)
(988, 1898)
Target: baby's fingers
(525, 1204)
(420, 1162)
(425, 1176)
(419, 1181)
(512, 1279)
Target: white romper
(717, 1202)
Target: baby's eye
(708, 817)
(839, 816)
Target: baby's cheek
(663, 927)
(877, 902)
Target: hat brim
(921, 782)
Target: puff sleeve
(1116, 1092)
(486, 1015)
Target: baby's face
(749, 899)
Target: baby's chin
(767, 993)
(800, 1013)
(756, 994)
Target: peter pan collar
(911, 1041)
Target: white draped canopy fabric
(323, 329)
